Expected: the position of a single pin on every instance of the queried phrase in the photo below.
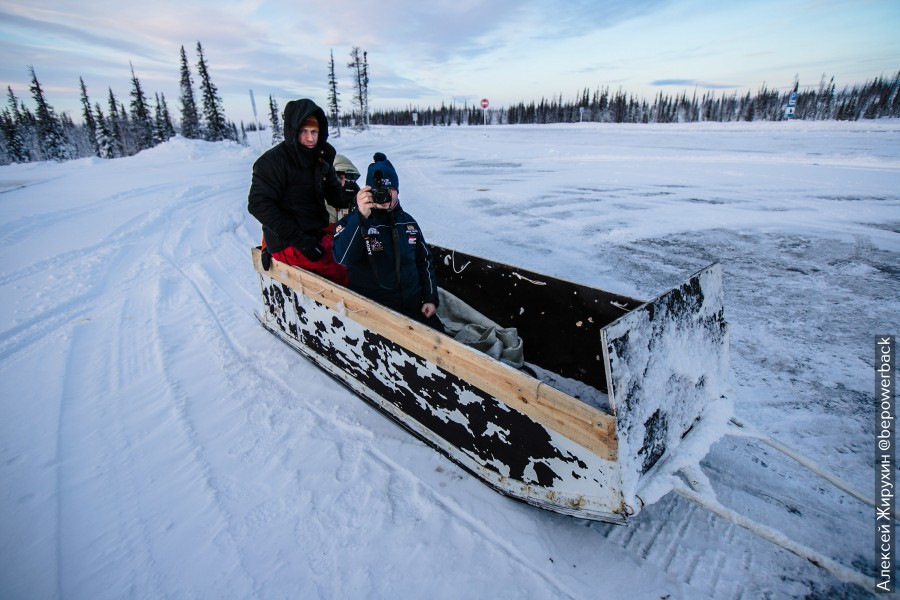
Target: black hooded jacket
(291, 183)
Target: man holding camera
(290, 187)
(384, 250)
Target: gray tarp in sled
(626, 390)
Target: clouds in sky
(424, 53)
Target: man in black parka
(291, 183)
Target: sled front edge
(667, 371)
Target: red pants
(325, 266)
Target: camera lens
(381, 195)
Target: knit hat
(383, 171)
(310, 122)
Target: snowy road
(156, 442)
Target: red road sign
(484, 103)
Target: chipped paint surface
(668, 362)
(505, 448)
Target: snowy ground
(156, 442)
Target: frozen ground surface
(156, 442)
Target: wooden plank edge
(568, 416)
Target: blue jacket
(377, 277)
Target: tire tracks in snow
(68, 275)
(110, 461)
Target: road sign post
(792, 103)
(484, 106)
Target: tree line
(42, 135)
(871, 100)
(120, 131)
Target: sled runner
(619, 393)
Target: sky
(423, 54)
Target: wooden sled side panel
(509, 450)
(667, 363)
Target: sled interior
(559, 321)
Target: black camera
(380, 194)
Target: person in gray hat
(346, 171)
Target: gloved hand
(311, 249)
(266, 259)
(348, 193)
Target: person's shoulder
(328, 153)
(273, 154)
(344, 222)
(403, 217)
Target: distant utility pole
(256, 119)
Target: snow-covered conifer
(106, 146)
(141, 121)
(162, 122)
(15, 131)
(89, 124)
(215, 126)
(333, 100)
(117, 130)
(359, 66)
(190, 119)
(275, 120)
(52, 140)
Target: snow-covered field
(156, 442)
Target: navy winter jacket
(291, 183)
(376, 277)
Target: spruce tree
(365, 89)
(216, 128)
(117, 129)
(895, 102)
(89, 123)
(275, 120)
(162, 121)
(106, 145)
(16, 130)
(51, 137)
(333, 103)
(360, 81)
(13, 104)
(15, 144)
(167, 117)
(141, 121)
(190, 119)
